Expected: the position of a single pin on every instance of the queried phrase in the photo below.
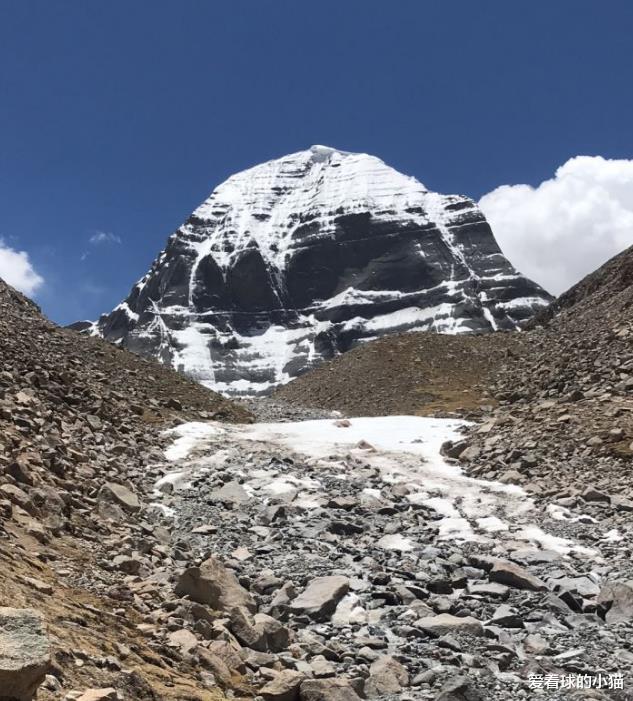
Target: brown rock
(214, 585)
(121, 496)
(103, 694)
(512, 575)
(327, 690)
(284, 687)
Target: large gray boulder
(24, 653)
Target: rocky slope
(80, 426)
(293, 261)
(609, 289)
(416, 373)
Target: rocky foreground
(351, 571)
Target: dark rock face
(298, 259)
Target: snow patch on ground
(405, 450)
(188, 436)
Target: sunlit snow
(404, 449)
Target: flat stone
(121, 496)
(321, 596)
(105, 694)
(445, 623)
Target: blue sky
(117, 118)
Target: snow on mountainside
(295, 260)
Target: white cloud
(568, 226)
(16, 269)
(104, 237)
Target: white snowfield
(404, 449)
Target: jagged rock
(215, 664)
(121, 496)
(386, 676)
(458, 689)
(617, 598)
(445, 623)
(506, 617)
(182, 639)
(514, 576)
(24, 653)
(321, 596)
(214, 585)
(327, 690)
(283, 687)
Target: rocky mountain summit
(298, 259)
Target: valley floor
(435, 580)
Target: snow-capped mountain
(300, 258)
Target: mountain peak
(300, 258)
